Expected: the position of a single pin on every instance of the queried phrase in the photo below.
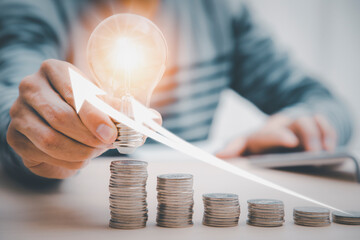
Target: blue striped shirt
(213, 45)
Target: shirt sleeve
(30, 32)
(267, 77)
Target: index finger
(99, 124)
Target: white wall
(323, 36)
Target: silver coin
(220, 225)
(127, 186)
(220, 220)
(348, 217)
(312, 210)
(114, 224)
(221, 209)
(265, 212)
(129, 163)
(272, 202)
(347, 214)
(311, 216)
(183, 225)
(175, 176)
(171, 223)
(220, 196)
(175, 182)
(175, 200)
(271, 224)
(308, 224)
(312, 221)
(212, 216)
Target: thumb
(234, 149)
(98, 123)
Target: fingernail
(105, 132)
(315, 145)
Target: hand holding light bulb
(47, 134)
(52, 140)
(127, 55)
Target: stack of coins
(128, 207)
(265, 213)
(175, 200)
(221, 209)
(348, 218)
(312, 216)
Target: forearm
(31, 33)
(11, 162)
(18, 63)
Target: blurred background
(323, 37)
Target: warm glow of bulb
(127, 55)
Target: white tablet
(277, 160)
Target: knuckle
(14, 110)
(298, 124)
(91, 114)
(68, 93)
(30, 163)
(16, 124)
(58, 116)
(53, 67)
(48, 65)
(27, 85)
(11, 140)
(306, 128)
(48, 140)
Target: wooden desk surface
(79, 209)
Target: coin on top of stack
(221, 209)
(348, 217)
(265, 212)
(312, 216)
(175, 200)
(128, 207)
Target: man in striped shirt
(213, 45)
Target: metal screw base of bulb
(128, 139)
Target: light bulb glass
(127, 55)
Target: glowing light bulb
(127, 54)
